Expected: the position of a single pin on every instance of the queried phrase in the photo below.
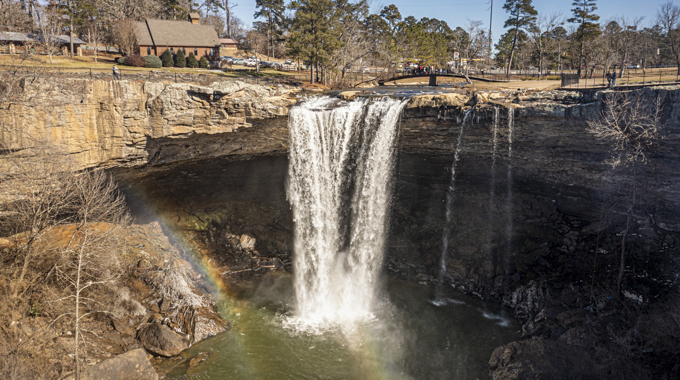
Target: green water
(409, 338)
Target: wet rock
(247, 242)
(161, 340)
(206, 322)
(540, 359)
(198, 359)
(133, 364)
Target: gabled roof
(175, 33)
(228, 41)
(31, 37)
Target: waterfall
(509, 206)
(340, 174)
(450, 197)
(492, 187)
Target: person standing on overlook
(115, 73)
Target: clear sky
(457, 12)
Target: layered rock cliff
(127, 123)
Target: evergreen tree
(588, 29)
(166, 58)
(203, 63)
(312, 33)
(192, 61)
(180, 60)
(273, 12)
(504, 46)
(522, 17)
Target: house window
(184, 50)
(172, 51)
(195, 52)
(148, 50)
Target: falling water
(450, 197)
(509, 222)
(341, 163)
(492, 187)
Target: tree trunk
(311, 74)
(514, 44)
(70, 17)
(631, 206)
(226, 7)
(77, 323)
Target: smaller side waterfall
(492, 186)
(509, 200)
(450, 198)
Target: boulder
(204, 322)
(161, 340)
(133, 364)
(247, 242)
(540, 359)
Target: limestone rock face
(127, 123)
(161, 340)
(133, 364)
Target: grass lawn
(105, 63)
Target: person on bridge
(614, 79)
(609, 79)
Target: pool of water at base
(410, 337)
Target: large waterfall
(340, 174)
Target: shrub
(166, 58)
(135, 60)
(192, 61)
(203, 63)
(121, 60)
(180, 60)
(153, 62)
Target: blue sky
(457, 12)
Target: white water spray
(450, 198)
(492, 187)
(509, 206)
(340, 171)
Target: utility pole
(490, 24)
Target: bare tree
(124, 36)
(89, 261)
(668, 18)
(630, 125)
(50, 28)
(541, 37)
(627, 39)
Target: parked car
(633, 66)
(239, 61)
(288, 62)
(227, 58)
(275, 65)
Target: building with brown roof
(228, 43)
(154, 36)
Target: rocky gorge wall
(127, 123)
(517, 220)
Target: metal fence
(630, 78)
(201, 78)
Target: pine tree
(166, 58)
(192, 61)
(312, 33)
(588, 29)
(522, 17)
(273, 12)
(180, 61)
(203, 63)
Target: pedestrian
(609, 79)
(614, 79)
(115, 73)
